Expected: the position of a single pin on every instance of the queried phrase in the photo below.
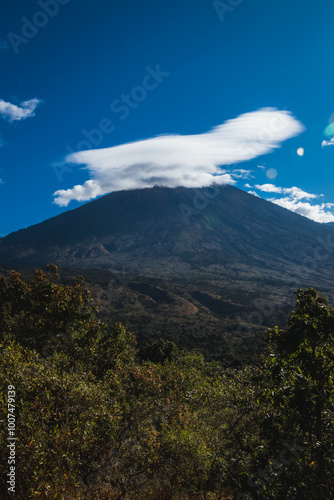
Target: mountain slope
(209, 269)
(165, 231)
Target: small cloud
(326, 205)
(292, 200)
(248, 186)
(12, 112)
(328, 143)
(294, 192)
(268, 188)
(240, 173)
(189, 161)
(298, 194)
(261, 167)
(314, 212)
(254, 193)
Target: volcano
(171, 232)
(207, 268)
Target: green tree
(70, 374)
(159, 351)
(299, 370)
(33, 312)
(52, 318)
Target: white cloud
(298, 194)
(254, 193)
(268, 188)
(261, 167)
(314, 212)
(240, 173)
(248, 186)
(328, 143)
(173, 160)
(12, 112)
(292, 201)
(294, 192)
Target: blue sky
(114, 73)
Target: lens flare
(271, 173)
(329, 130)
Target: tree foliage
(300, 389)
(97, 418)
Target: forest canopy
(98, 417)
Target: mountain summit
(165, 232)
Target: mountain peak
(158, 229)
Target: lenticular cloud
(174, 160)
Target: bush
(93, 422)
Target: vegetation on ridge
(100, 418)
